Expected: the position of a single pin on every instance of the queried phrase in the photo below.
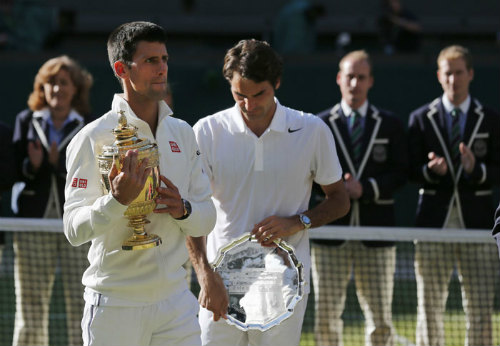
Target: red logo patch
(75, 182)
(174, 147)
(82, 183)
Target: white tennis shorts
(170, 322)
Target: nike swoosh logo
(294, 130)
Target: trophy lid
(125, 134)
(126, 139)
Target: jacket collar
(42, 118)
(339, 127)
(448, 106)
(44, 115)
(120, 104)
(363, 110)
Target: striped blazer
(383, 168)
(472, 193)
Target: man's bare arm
(335, 205)
(213, 294)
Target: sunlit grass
(405, 328)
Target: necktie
(356, 137)
(455, 137)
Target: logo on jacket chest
(480, 148)
(379, 153)
(174, 147)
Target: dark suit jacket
(7, 167)
(382, 171)
(496, 228)
(473, 193)
(32, 201)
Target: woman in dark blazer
(58, 107)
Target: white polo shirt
(256, 177)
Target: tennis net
(364, 291)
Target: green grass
(405, 329)
(404, 323)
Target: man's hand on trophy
(274, 227)
(129, 182)
(170, 197)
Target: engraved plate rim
(298, 296)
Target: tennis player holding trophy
(149, 165)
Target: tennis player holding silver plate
(261, 159)
(264, 283)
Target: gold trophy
(126, 139)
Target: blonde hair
(80, 77)
(356, 55)
(456, 52)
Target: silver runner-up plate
(263, 283)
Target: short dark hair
(122, 42)
(254, 60)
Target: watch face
(305, 220)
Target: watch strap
(187, 209)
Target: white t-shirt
(256, 177)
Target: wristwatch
(187, 209)
(306, 221)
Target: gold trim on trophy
(125, 140)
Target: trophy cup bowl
(125, 140)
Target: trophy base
(141, 242)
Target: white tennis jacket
(142, 277)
